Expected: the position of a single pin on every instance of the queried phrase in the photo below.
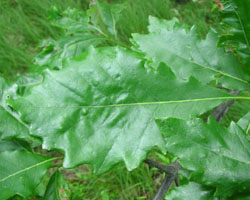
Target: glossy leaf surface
(21, 172)
(217, 156)
(187, 55)
(100, 108)
(190, 191)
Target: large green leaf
(192, 191)
(236, 15)
(100, 108)
(10, 123)
(21, 172)
(217, 156)
(187, 55)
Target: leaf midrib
(209, 68)
(206, 67)
(147, 103)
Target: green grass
(135, 16)
(24, 23)
(203, 14)
(139, 184)
(118, 184)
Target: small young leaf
(105, 16)
(57, 188)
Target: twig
(159, 166)
(164, 187)
(221, 110)
(177, 180)
(171, 175)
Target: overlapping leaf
(9, 145)
(192, 191)
(187, 55)
(218, 157)
(57, 188)
(236, 15)
(10, 123)
(244, 123)
(14, 144)
(100, 108)
(21, 172)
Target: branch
(157, 165)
